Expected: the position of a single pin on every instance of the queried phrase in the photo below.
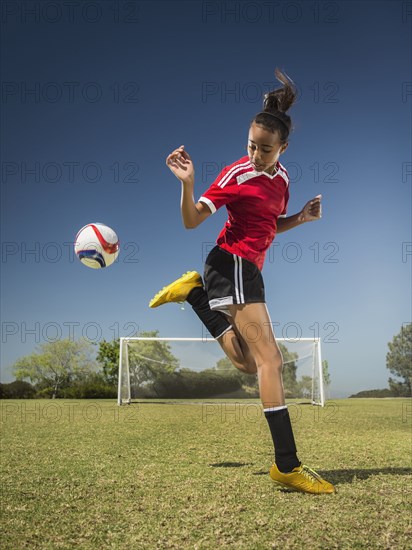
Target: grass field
(88, 474)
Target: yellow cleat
(302, 479)
(177, 291)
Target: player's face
(264, 148)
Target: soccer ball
(96, 245)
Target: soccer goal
(197, 368)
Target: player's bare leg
(253, 323)
(254, 326)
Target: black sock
(215, 322)
(282, 435)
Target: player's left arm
(310, 212)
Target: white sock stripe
(272, 409)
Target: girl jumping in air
(255, 191)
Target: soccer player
(255, 192)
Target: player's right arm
(180, 163)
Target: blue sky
(94, 97)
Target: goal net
(197, 368)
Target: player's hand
(312, 210)
(181, 165)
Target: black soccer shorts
(230, 279)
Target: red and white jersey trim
(247, 172)
(209, 203)
(231, 173)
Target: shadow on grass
(349, 476)
(230, 464)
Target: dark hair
(275, 104)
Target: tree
(325, 372)
(226, 367)
(373, 393)
(148, 360)
(56, 364)
(17, 390)
(108, 358)
(305, 386)
(188, 383)
(92, 386)
(290, 382)
(399, 361)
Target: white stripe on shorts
(238, 278)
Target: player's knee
(272, 360)
(246, 365)
(240, 357)
(248, 368)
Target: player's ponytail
(275, 104)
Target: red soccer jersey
(254, 201)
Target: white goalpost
(168, 367)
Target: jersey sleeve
(223, 190)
